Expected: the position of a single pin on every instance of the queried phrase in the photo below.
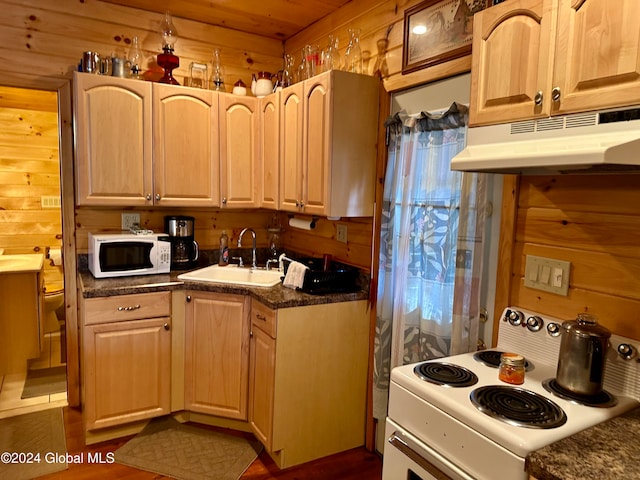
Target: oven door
(408, 458)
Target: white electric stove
(452, 418)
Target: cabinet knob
(158, 197)
(297, 203)
(555, 94)
(188, 298)
(301, 204)
(166, 326)
(148, 197)
(539, 97)
(224, 200)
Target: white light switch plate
(547, 274)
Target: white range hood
(594, 142)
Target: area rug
(45, 381)
(186, 452)
(39, 437)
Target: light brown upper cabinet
(239, 152)
(185, 161)
(270, 150)
(328, 134)
(113, 136)
(142, 144)
(536, 58)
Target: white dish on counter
(231, 274)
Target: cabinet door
(127, 371)
(511, 61)
(186, 155)
(113, 129)
(217, 354)
(317, 144)
(291, 131)
(597, 62)
(270, 149)
(239, 151)
(261, 385)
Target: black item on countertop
(339, 278)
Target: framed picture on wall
(436, 31)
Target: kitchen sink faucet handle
(240, 264)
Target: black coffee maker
(184, 249)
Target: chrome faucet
(254, 263)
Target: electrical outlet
(129, 220)
(341, 232)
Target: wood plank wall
(29, 169)
(209, 224)
(380, 24)
(47, 38)
(592, 221)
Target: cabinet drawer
(127, 307)
(264, 318)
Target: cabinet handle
(148, 197)
(261, 317)
(188, 298)
(301, 204)
(539, 97)
(297, 203)
(166, 326)
(555, 94)
(128, 309)
(158, 197)
(224, 200)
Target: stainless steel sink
(234, 275)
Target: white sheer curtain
(430, 247)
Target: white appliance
(593, 142)
(124, 254)
(436, 431)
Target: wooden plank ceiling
(277, 19)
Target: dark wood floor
(351, 465)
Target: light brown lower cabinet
(217, 354)
(296, 377)
(126, 352)
(308, 379)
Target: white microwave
(124, 254)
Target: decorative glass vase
(353, 54)
(331, 56)
(302, 68)
(288, 74)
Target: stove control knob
(626, 351)
(553, 329)
(534, 323)
(513, 317)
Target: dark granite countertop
(605, 451)
(273, 297)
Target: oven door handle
(408, 448)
